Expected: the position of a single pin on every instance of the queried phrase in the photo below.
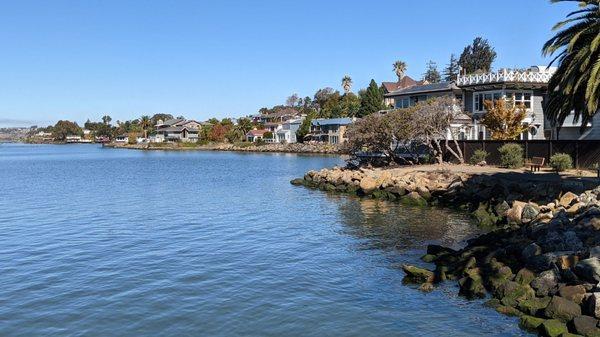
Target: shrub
(561, 162)
(132, 139)
(478, 157)
(511, 155)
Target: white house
(287, 132)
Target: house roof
(332, 121)
(257, 132)
(405, 82)
(177, 129)
(173, 121)
(462, 118)
(425, 88)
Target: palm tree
(245, 125)
(145, 123)
(400, 69)
(575, 86)
(347, 83)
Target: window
(519, 97)
(402, 103)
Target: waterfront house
(44, 136)
(256, 135)
(177, 130)
(330, 131)
(410, 96)
(388, 87)
(522, 86)
(287, 132)
(102, 139)
(122, 139)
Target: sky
(126, 58)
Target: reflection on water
(390, 225)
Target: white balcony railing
(504, 75)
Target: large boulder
(530, 323)
(513, 215)
(413, 199)
(545, 283)
(524, 276)
(502, 208)
(534, 306)
(591, 305)
(530, 212)
(553, 328)
(562, 309)
(484, 217)
(511, 293)
(531, 250)
(586, 326)
(297, 181)
(589, 269)
(572, 293)
(555, 241)
(543, 262)
(368, 185)
(417, 275)
(567, 199)
(471, 286)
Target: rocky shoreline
(267, 148)
(540, 263)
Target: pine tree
(452, 69)
(372, 100)
(432, 75)
(478, 56)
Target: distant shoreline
(242, 147)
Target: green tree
(106, 119)
(305, 126)
(432, 75)
(103, 130)
(347, 84)
(479, 56)
(452, 69)
(226, 122)
(63, 128)
(331, 108)
(349, 105)
(321, 96)
(371, 101)
(145, 124)
(575, 86)
(245, 125)
(400, 69)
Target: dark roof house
(405, 82)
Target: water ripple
(100, 242)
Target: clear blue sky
(83, 59)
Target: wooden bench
(536, 163)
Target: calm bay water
(104, 242)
